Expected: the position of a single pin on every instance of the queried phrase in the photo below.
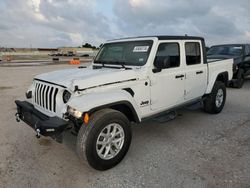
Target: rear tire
(215, 101)
(105, 140)
(239, 81)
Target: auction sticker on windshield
(141, 48)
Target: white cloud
(138, 3)
(41, 22)
(35, 4)
(76, 38)
(72, 22)
(217, 21)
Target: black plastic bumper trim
(48, 126)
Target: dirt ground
(194, 150)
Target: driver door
(167, 85)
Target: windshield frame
(228, 46)
(119, 63)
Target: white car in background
(86, 53)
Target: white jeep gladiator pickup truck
(130, 80)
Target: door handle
(179, 76)
(199, 72)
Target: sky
(56, 23)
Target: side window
(168, 54)
(193, 53)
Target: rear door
(167, 86)
(196, 71)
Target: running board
(166, 117)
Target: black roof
(168, 37)
(179, 38)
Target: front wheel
(215, 101)
(105, 140)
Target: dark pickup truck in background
(241, 55)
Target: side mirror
(161, 63)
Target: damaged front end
(41, 123)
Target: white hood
(87, 77)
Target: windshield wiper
(122, 63)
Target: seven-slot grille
(45, 96)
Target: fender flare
(223, 76)
(118, 103)
(111, 99)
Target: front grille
(45, 96)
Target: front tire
(105, 140)
(215, 101)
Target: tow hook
(38, 133)
(17, 117)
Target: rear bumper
(41, 123)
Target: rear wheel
(215, 101)
(106, 139)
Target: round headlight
(66, 96)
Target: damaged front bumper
(41, 123)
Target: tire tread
(209, 102)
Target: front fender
(88, 102)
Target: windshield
(133, 53)
(232, 50)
